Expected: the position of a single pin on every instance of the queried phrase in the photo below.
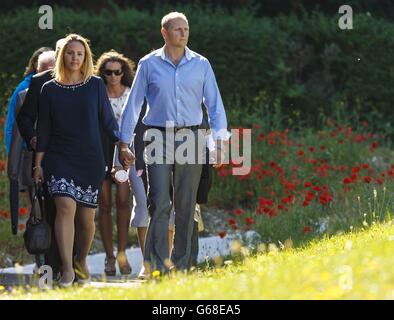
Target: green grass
(356, 265)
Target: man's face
(177, 34)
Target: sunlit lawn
(349, 266)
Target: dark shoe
(110, 266)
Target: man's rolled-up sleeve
(214, 104)
(135, 100)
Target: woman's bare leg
(84, 234)
(64, 232)
(141, 234)
(105, 218)
(123, 215)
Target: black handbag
(37, 236)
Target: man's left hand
(217, 157)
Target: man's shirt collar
(188, 53)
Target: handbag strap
(38, 199)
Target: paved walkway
(209, 247)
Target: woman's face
(74, 56)
(113, 73)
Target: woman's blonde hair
(87, 66)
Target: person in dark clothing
(27, 116)
(26, 120)
(73, 107)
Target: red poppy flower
(307, 184)
(22, 212)
(239, 212)
(325, 199)
(367, 179)
(5, 214)
(307, 229)
(355, 169)
(309, 196)
(222, 234)
(272, 213)
(249, 221)
(231, 221)
(249, 193)
(374, 145)
(222, 172)
(347, 180)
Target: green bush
(305, 63)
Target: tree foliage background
(287, 53)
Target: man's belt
(175, 129)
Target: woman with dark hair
(117, 71)
(31, 69)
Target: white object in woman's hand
(121, 176)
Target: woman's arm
(38, 174)
(44, 132)
(107, 117)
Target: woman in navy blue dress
(73, 107)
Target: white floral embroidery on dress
(64, 187)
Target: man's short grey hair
(59, 44)
(166, 21)
(45, 60)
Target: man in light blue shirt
(175, 81)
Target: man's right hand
(126, 157)
(33, 142)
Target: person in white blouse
(117, 71)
